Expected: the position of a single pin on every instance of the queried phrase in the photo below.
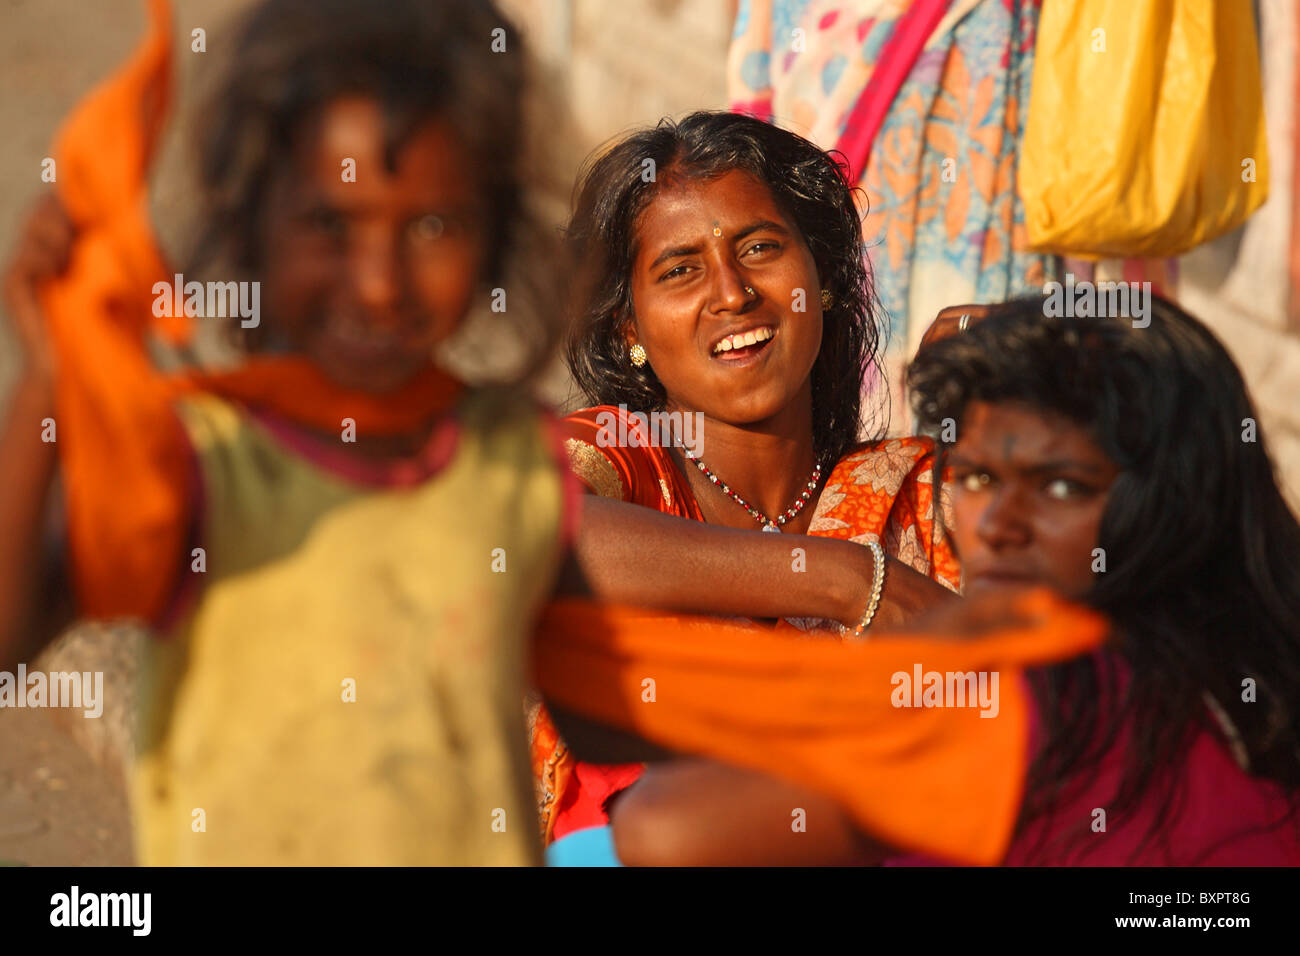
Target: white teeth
(743, 339)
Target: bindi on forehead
(1027, 439)
(1023, 437)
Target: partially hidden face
(738, 356)
(1029, 489)
(366, 274)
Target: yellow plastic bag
(1146, 126)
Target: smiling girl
(725, 278)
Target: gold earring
(828, 300)
(637, 355)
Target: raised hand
(41, 253)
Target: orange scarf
(942, 781)
(125, 462)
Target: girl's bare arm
(634, 555)
(31, 605)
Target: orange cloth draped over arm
(124, 460)
(943, 781)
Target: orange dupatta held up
(123, 456)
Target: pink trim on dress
(185, 592)
(896, 60)
(397, 472)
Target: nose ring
(748, 291)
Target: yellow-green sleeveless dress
(346, 687)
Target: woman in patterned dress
(725, 321)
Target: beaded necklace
(767, 523)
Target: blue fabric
(593, 846)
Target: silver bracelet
(877, 588)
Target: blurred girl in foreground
(300, 530)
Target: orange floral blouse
(881, 491)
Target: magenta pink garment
(1224, 818)
(896, 61)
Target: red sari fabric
(881, 491)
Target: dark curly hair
(418, 58)
(1203, 584)
(809, 185)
